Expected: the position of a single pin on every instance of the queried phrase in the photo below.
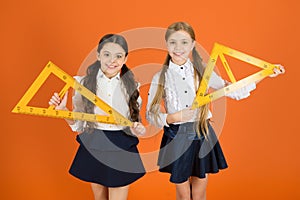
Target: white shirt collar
(179, 68)
(102, 75)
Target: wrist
(171, 118)
(64, 108)
(168, 119)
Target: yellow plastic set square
(114, 117)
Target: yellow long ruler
(219, 50)
(112, 117)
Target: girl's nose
(177, 47)
(113, 59)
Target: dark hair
(127, 77)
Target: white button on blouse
(113, 92)
(180, 90)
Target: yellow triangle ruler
(219, 50)
(22, 107)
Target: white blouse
(180, 90)
(110, 90)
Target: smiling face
(112, 57)
(179, 45)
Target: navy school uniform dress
(183, 154)
(109, 158)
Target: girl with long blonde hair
(189, 148)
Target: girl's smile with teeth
(179, 46)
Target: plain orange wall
(260, 137)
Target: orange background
(260, 137)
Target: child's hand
(60, 104)
(184, 115)
(138, 128)
(278, 71)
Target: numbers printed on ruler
(115, 117)
(218, 51)
(22, 107)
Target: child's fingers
(54, 102)
(138, 128)
(187, 114)
(56, 95)
(279, 70)
(134, 125)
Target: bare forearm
(181, 116)
(69, 121)
(172, 118)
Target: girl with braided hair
(107, 157)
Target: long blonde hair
(201, 124)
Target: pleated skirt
(183, 154)
(109, 158)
